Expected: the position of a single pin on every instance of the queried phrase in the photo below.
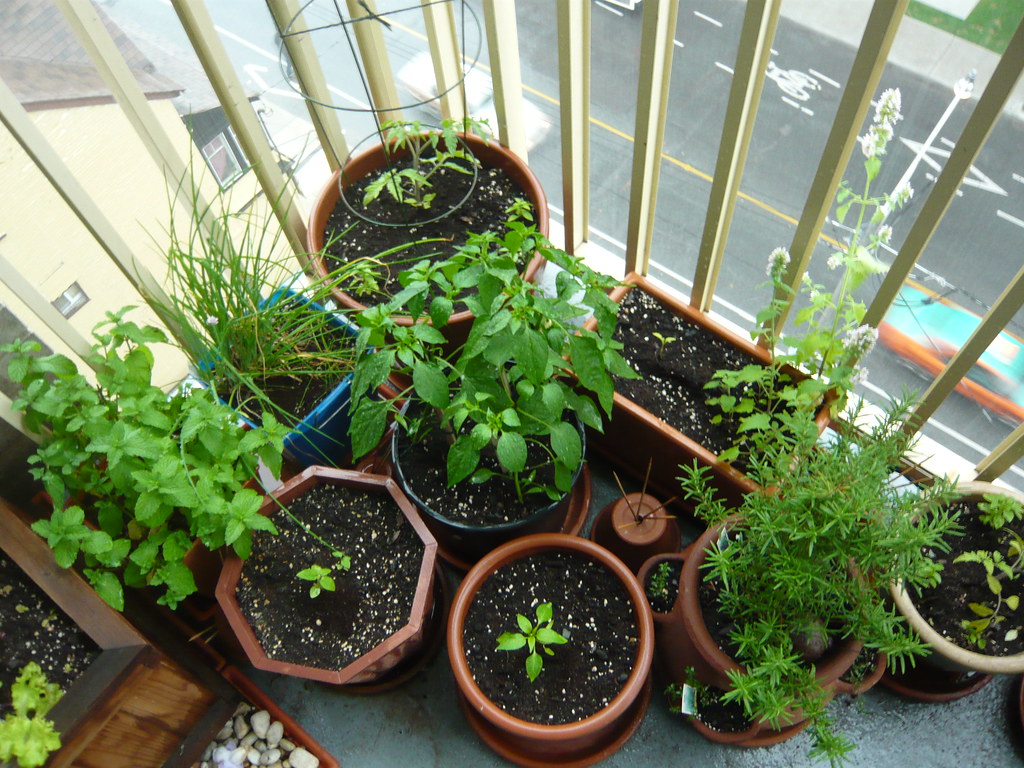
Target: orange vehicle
(927, 330)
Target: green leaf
(534, 664)
(758, 421)
(550, 637)
(369, 421)
(566, 443)
(544, 613)
(511, 641)
(588, 365)
(440, 310)
(1012, 602)
(430, 384)
(462, 460)
(980, 609)
(524, 623)
(512, 451)
(107, 587)
(994, 584)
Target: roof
(46, 67)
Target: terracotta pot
(377, 662)
(869, 681)
(133, 706)
(948, 655)
(616, 529)
(490, 154)
(634, 437)
(462, 544)
(581, 743)
(687, 643)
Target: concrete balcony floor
(419, 725)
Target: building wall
(52, 249)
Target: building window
(220, 156)
(72, 300)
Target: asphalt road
(978, 248)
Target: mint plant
(533, 637)
(830, 339)
(524, 371)
(998, 510)
(428, 152)
(136, 475)
(26, 735)
(809, 555)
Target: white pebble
(224, 732)
(270, 756)
(286, 744)
(274, 733)
(260, 722)
(253, 756)
(300, 758)
(248, 740)
(220, 754)
(241, 727)
(238, 756)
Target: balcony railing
(651, 92)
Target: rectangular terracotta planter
(634, 436)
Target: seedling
(996, 511)
(25, 734)
(664, 340)
(428, 152)
(322, 577)
(659, 579)
(530, 635)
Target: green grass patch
(991, 24)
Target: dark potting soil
(591, 608)
(353, 238)
(424, 466)
(661, 598)
(673, 374)
(373, 598)
(946, 605)
(721, 716)
(33, 628)
(862, 666)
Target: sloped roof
(42, 62)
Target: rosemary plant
(807, 560)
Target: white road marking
(727, 68)
(1018, 177)
(1012, 219)
(708, 19)
(790, 101)
(676, 42)
(820, 76)
(609, 8)
(933, 422)
(774, 52)
(807, 111)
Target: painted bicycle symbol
(793, 82)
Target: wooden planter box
(133, 707)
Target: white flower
(778, 260)
(874, 142)
(835, 261)
(860, 340)
(887, 110)
(212, 320)
(901, 194)
(884, 233)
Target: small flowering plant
(832, 339)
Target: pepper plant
(135, 474)
(531, 636)
(524, 371)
